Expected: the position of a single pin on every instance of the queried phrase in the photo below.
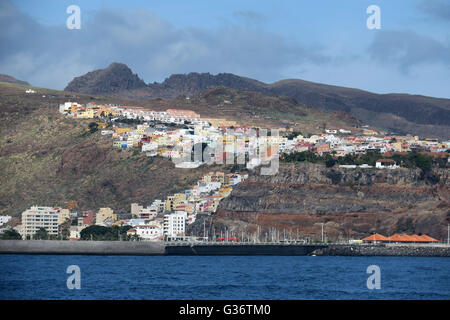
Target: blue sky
(325, 41)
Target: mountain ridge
(396, 112)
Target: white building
(386, 163)
(175, 224)
(151, 232)
(40, 217)
(4, 219)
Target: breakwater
(408, 250)
(151, 248)
(192, 249)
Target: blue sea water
(222, 277)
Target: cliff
(350, 202)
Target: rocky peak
(116, 77)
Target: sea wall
(159, 248)
(384, 250)
(81, 247)
(243, 249)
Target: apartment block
(175, 224)
(40, 217)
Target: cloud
(407, 49)
(50, 56)
(251, 17)
(436, 9)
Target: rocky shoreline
(384, 250)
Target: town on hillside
(161, 220)
(175, 134)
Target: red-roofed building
(395, 238)
(428, 239)
(411, 239)
(375, 238)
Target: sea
(222, 277)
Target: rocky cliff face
(351, 202)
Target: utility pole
(322, 232)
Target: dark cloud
(151, 46)
(436, 9)
(407, 49)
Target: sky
(324, 41)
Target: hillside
(46, 159)
(400, 113)
(351, 203)
(10, 79)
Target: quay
(218, 248)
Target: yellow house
(224, 192)
(106, 111)
(105, 213)
(74, 107)
(178, 198)
(63, 216)
(398, 146)
(87, 114)
(123, 130)
(141, 129)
